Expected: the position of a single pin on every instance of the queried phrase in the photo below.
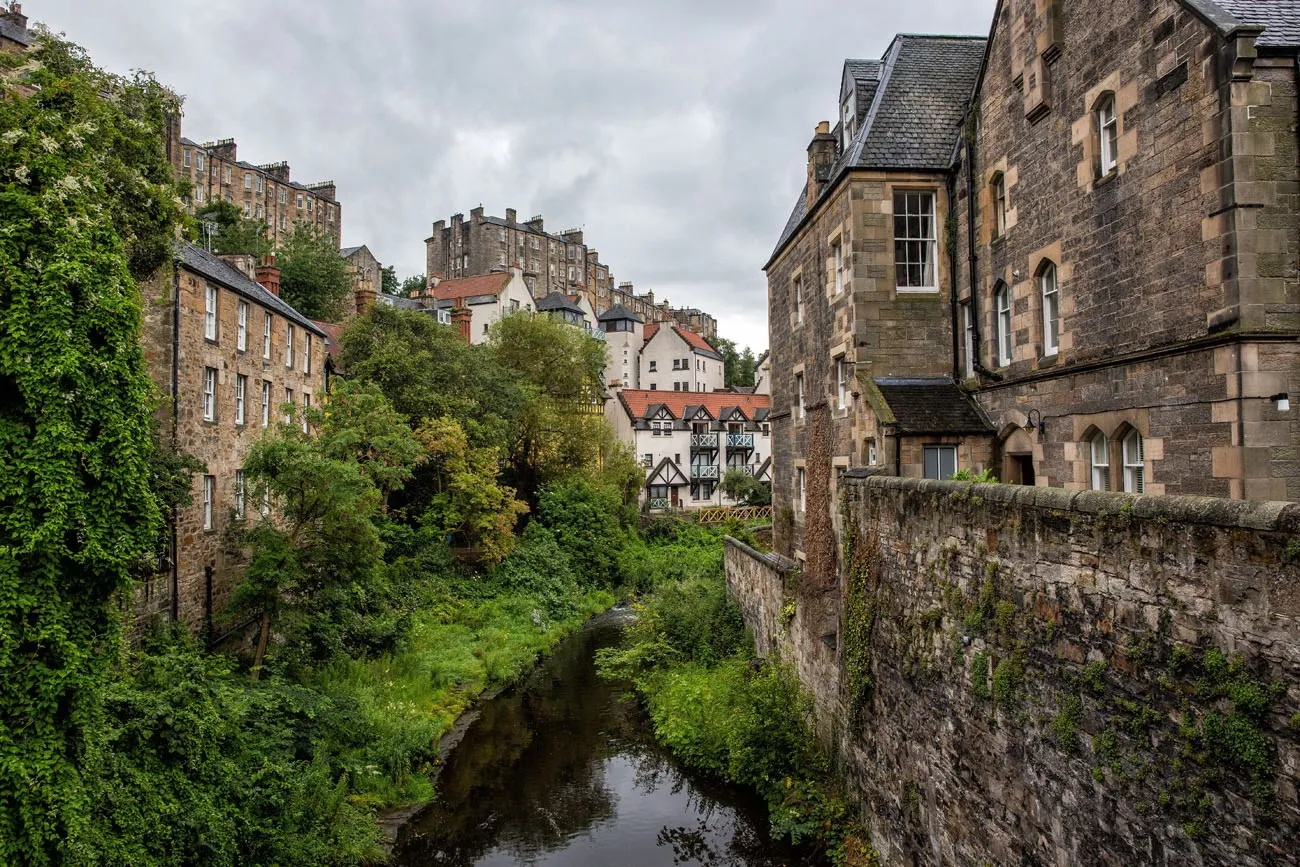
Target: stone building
(13, 29)
(264, 192)
(688, 441)
(1127, 271)
(367, 278)
(486, 298)
(230, 355)
(860, 286)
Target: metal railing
(704, 471)
(740, 441)
(658, 504)
(704, 441)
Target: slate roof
(637, 403)
(202, 262)
(1279, 18)
(348, 252)
(558, 301)
(471, 287)
(915, 114)
(618, 311)
(931, 405)
(398, 301)
(10, 30)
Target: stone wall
(1041, 676)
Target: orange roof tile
(469, 287)
(650, 331)
(693, 340)
(636, 401)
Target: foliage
(235, 233)
(859, 615)
(171, 478)
(411, 286)
(672, 550)
(739, 368)
(466, 501)
(539, 569)
(561, 361)
(388, 282)
(584, 518)
(88, 208)
(359, 424)
(743, 488)
(984, 477)
(313, 277)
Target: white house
(624, 335)
(488, 297)
(687, 441)
(674, 359)
(763, 374)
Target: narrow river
(564, 770)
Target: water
(563, 770)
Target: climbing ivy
(859, 615)
(87, 208)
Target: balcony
(704, 471)
(744, 468)
(740, 442)
(704, 442)
(658, 504)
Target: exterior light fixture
(1034, 421)
(1283, 402)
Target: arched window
(1134, 463)
(1108, 133)
(1051, 309)
(1099, 458)
(1002, 322)
(998, 194)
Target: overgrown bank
(717, 707)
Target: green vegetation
(233, 232)
(743, 488)
(738, 367)
(313, 277)
(983, 477)
(720, 710)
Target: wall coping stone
(1280, 517)
(782, 564)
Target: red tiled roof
(469, 287)
(332, 331)
(650, 331)
(693, 340)
(637, 401)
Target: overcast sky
(672, 131)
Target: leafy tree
(738, 367)
(388, 283)
(235, 233)
(744, 488)
(359, 424)
(411, 286)
(314, 278)
(584, 518)
(87, 202)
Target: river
(563, 770)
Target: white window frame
(306, 355)
(798, 299)
(306, 405)
(209, 394)
(239, 495)
(1000, 205)
(248, 181)
(924, 244)
(288, 344)
(1133, 453)
(1099, 462)
(837, 264)
(940, 452)
(266, 403)
(241, 390)
(188, 157)
(1108, 134)
(199, 162)
(198, 195)
(209, 500)
(871, 452)
(225, 174)
(801, 488)
(798, 397)
(266, 337)
(968, 338)
(842, 382)
(241, 334)
(288, 405)
(210, 312)
(1050, 294)
(1002, 322)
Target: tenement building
(233, 359)
(265, 193)
(1129, 233)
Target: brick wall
(1043, 681)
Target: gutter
(176, 344)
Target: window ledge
(908, 290)
(997, 240)
(1050, 360)
(1106, 178)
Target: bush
(584, 518)
(538, 569)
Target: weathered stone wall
(1041, 676)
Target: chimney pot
(268, 274)
(461, 318)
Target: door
(672, 496)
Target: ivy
(859, 617)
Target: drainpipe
(176, 345)
(968, 149)
(952, 278)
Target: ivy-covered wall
(1039, 676)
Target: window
(209, 498)
(968, 330)
(766, 428)
(654, 366)
(266, 337)
(288, 405)
(310, 204)
(241, 387)
(837, 250)
(1051, 309)
(658, 492)
(284, 196)
(266, 502)
(871, 453)
(199, 162)
(288, 344)
(1134, 463)
(209, 394)
(225, 174)
(999, 191)
(1099, 451)
(1108, 131)
(798, 299)
(914, 244)
(940, 462)
(187, 157)
(210, 312)
(842, 382)
(248, 181)
(198, 195)
(239, 495)
(248, 210)
(647, 459)
(801, 489)
(300, 201)
(260, 184)
(798, 396)
(266, 403)
(847, 125)
(1002, 312)
(662, 428)
(306, 405)
(241, 335)
(677, 364)
(306, 353)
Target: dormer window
(847, 125)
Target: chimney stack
(821, 156)
(268, 274)
(460, 318)
(511, 213)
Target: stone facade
(264, 192)
(1175, 268)
(1020, 675)
(282, 356)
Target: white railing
(658, 504)
(704, 471)
(704, 441)
(740, 441)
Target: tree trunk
(261, 644)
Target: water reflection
(563, 771)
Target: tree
(738, 368)
(314, 278)
(743, 488)
(235, 233)
(88, 206)
(411, 286)
(388, 281)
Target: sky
(674, 133)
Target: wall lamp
(1283, 401)
(1034, 422)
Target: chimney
(365, 298)
(268, 274)
(821, 156)
(511, 213)
(460, 318)
(476, 214)
(244, 263)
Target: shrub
(584, 518)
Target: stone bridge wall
(1040, 676)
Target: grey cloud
(672, 131)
